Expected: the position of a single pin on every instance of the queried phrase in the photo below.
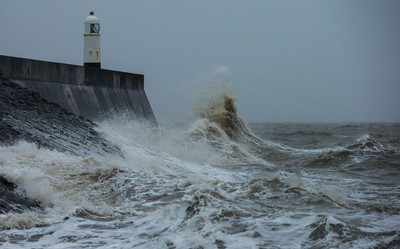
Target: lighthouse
(92, 55)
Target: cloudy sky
(287, 61)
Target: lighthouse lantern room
(92, 55)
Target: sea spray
(151, 198)
(215, 102)
(196, 186)
(173, 140)
(217, 122)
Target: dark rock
(12, 201)
(24, 115)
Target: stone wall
(89, 92)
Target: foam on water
(156, 198)
(211, 183)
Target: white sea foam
(181, 187)
(154, 197)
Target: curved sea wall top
(85, 91)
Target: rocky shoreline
(24, 115)
(10, 200)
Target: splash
(215, 135)
(134, 135)
(217, 122)
(217, 104)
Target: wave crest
(217, 123)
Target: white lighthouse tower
(92, 55)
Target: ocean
(214, 182)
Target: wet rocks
(10, 200)
(24, 115)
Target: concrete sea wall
(89, 92)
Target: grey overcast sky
(288, 61)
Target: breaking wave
(212, 183)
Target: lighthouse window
(94, 28)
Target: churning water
(216, 183)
